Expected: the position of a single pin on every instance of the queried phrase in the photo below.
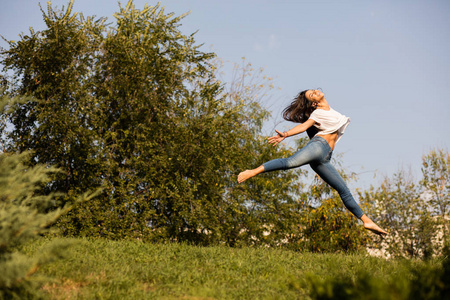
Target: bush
(425, 281)
(331, 228)
(24, 215)
(325, 225)
(27, 211)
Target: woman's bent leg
(331, 176)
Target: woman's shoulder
(321, 111)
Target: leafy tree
(397, 206)
(436, 187)
(136, 108)
(415, 214)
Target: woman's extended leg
(331, 176)
(313, 151)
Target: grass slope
(104, 269)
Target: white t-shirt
(329, 121)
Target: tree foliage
(436, 188)
(136, 108)
(414, 213)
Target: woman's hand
(277, 138)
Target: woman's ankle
(365, 219)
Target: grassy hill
(103, 269)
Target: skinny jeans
(317, 153)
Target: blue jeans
(317, 153)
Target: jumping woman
(325, 127)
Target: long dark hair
(299, 111)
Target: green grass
(104, 269)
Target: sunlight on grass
(100, 268)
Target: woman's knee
(343, 190)
(290, 162)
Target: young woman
(325, 127)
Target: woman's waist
(330, 138)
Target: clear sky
(383, 63)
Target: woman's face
(314, 95)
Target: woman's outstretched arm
(296, 130)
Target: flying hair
(299, 111)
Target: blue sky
(385, 64)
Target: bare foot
(370, 225)
(374, 228)
(243, 176)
